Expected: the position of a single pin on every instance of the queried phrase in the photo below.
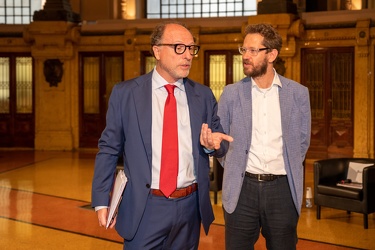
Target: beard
(257, 71)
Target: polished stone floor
(45, 204)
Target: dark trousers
(266, 207)
(168, 224)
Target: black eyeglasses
(181, 48)
(253, 51)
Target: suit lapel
(246, 104)
(286, 102)
(143, 105)
(195, 107)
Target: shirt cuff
(100, 207)
(208, 151)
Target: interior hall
(60, 59)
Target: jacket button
(148, 185)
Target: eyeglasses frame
(181, 44)
(253, 51)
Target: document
(116, 196)
(355, 171)
(355, 185)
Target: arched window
(200, 8)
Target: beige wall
(57, 115)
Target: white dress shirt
(186, 175)
(266, 149)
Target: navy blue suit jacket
(128, 132)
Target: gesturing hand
(211, 140)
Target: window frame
(19, 12)
(197, 9)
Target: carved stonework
(57, 10)
(54, 39)
(53, 71)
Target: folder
(355, 171)
(116, 196)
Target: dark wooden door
(222, 67)
(17, 120)
(99, 72)
(329, 75)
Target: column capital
(52, 39)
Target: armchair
(328, 172)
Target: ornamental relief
(329, 35)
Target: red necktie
(169, 151)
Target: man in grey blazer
(269, 118)
(147, 217)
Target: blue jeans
(263, 206)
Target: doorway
(329, 75)
(17, 119)
(223, 67)
(99, 72)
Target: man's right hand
(102, 217)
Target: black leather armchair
(328, 172)
(216, 177)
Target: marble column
(364, 89)
(53, 36)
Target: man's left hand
(211, 140)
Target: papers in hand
(118, 189)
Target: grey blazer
(235, 111)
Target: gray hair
(158, 32)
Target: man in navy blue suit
(146, 218)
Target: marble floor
(45, 204)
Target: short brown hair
(271, 38)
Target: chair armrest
(368, 179)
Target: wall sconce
(53, 71)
